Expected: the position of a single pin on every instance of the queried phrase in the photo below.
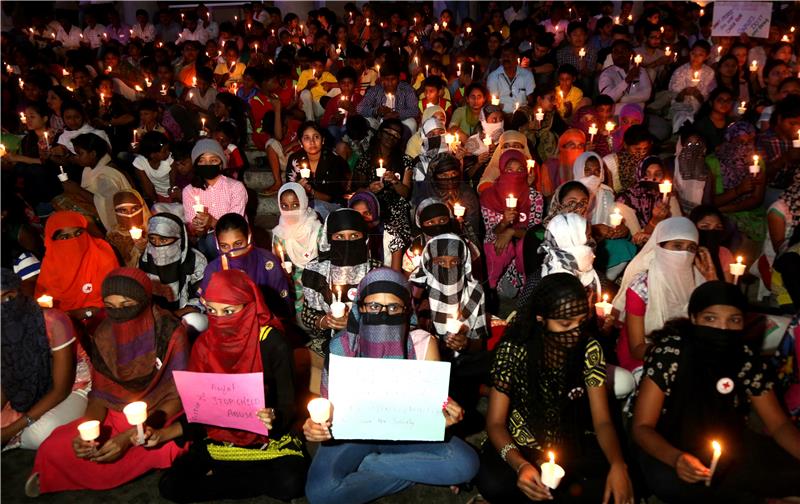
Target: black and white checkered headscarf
(453, 292)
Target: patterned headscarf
(642, 197)
(557, 207)
(375, 228)
(692, 160)
(634, 113)
(566, 248)
(735, 157)
(453, 292)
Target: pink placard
(224, 400)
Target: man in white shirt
(94, 33)
(193, 31)
(624, 82)
(516, 12)
(510, 82)
(143, 29)
(67, 35)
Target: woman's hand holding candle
(529, 481)
(690, 469)
(317, 427)
(114, 448)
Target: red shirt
(259, 106)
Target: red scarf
(232, 343)
(508, 183)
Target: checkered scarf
(452, 292)
(431, 147)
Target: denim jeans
(356, 472)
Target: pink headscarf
(634, 115)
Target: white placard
(731, 19)
(387, 399)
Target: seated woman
(549, 394)
(74, 266)
(432, 145)
(558, 169)
(224, 463)
(42, 389)
(508, 140)
(623, 165)
(657, 285)
(506, 225)
(217, 194)
(567, 248)
(386, 241)
(131, 212)
(491, 126)
(173, 266)
(614, 251)
(359, 472)
(125, 347)
(237, 251)
(643, 206)
(416, 145)
(711, 234)
(736, 193)
(296, 237)
(700, 377)
(154, 166)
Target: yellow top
(317, 91)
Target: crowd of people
(605, 198)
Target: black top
(331, 175)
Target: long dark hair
(734, 87)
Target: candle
(665, 188)
(539, 116)
(592, 132)
(552, 472)
(89, 431)
(436, 27)
(305, 171)
(380, 170)
(426, 70)
(785, 38)
(102, 98)
(22, 118)
(696, 77)
(714, 460)
(444, 24)
(582, 53)
(337, 307)
(742, 108)
(603, 308)
(449, 139)
(190, 95)
(198, 207)
(64, 71)
(2, 150)
(136, 414)
(616, 20)
(610, 126)
(416, 259)
(630, 17)
(63, 177)
(487, 141)
(148, 82)
(495, 100)
(531, 165)
(561, 95)
(469, 30)
(511, 201)
(390, 100)
(616, 218)
(163, 90)
(256, 46)
(458, 72)
(135, 232)
(320, 410)
(667, 52)
(719, 51)
(737, 269)
(45, 301)
(138, 88)
(287, 267)
(516, 106)
(203, 126)
(46, 141)
(453, 325)
(796, 143)
(638, 59)
(194, 81)
(459, 209)
(755, 168)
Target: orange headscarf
(73, 270)
(567, 157)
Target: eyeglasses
(391, 308)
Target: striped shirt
(405, 101)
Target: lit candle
(64, 71)
(436, 27)
(667, 51)
(495, 100)
(89, 431)
(785, 38)
(603, 308)
(45, 301)
(754, 66)
(63, 177)
(714, 460)
(582, 53)
(737, 269)
(531, 165)
(511, 201)
(191, 94)
(630, 17)
(702, 12)
(662, 29)
(719, 51)
(610, 126)
(665, 188)
(194, 81)
(615, 217)
(539, 116)
(516, 106)
(742, 108)
(696, 77)
(136, 414)
(163, 90)
(426, 71)
(469, 30)
(755, 168)
(102, 99)
(287, 267)
(22, 118)
(305, 171)
(198, 207)
(380, 170)
(416, 259)
(487, 141)
(148, 82)
(453, 325)
(135, 232)
(449, 139)
(616, 20)
(46, 141)
(592, 132)
(390, 100)
(256, 45)
(2, 150)
(459, 209)
(444, 24)
(319, 410)
(203, 126)
(638, 59)
(552, 472)
(337, 307)
(138, 88)
(458, 72)
(796, 142)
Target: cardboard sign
(224, 400)
(731, 19)
(388, 399)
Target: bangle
(29, 421)
(507, 448)
(523, 465)
(319, 322)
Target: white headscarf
(299, 229)
(566, 250)
(670, 274)
(601, 196)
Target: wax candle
(198, 207)
(755, 168)
(416, 259)
(63, 177)
(435, 26)
(511, 201)
(23, 118)
(539, 116)
(616, 218)
(469, 30)
(449, 139)
(665, 188)
(552, 472)
(287, 266)
(487, 141)
(320, 410)
(458, 72)
(305, 171)
(737, 269)
(610, 126)
(194, 81)
(638, 59)
(444, 24)
(516, 106)
(785, 38)
(754, 66)
(719, 51)
(531, 164)
(667, 51)
(796, 143)
(714, 460)
(138, 88)
(603, 308)
(459, 209)
(582, 53)
(390, 100)
(45, 301)
(337, 307)
(380, 170)
(742, 108)
(46, 141)
(136, 414)
(453, 325)
(136, 233)
(426, 71)
(592, 132)
(495, 101)
(696, 77)
(163, 90)
(148, 82)
(90, 430)
(616, 20)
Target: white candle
(742, 108)
(603, 308)
(380, 171)
(163, 90)
(198, 207)
(453, 325)
(737, 269)
(582, 53)
(459, 209)
(592, 132)
(667, 52)
(45, 301)
(390, 100)
(469, 30)
(63, 177)
(426, 70)
(539, 116)
(89, 431)
(610, 126)
(714, 460)
(755, 168)
(194, 81)
(320, 410)
(305, 171)
(665, 188)
(796, 143)
(458, 72)
(22, 118)
(287, 266)
(495, 100)
(552, 472)
(754, 66)
(136, 414)
(638, 59)
(136, 233)
(531, 165)
(696, 77)
(337, 309)
(511, 201)
(487, 141)
(616, 218)
(416, 259)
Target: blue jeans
(356, 472)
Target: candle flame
(739, 259)
(552, 457)
(717, 448)
(605, 298)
